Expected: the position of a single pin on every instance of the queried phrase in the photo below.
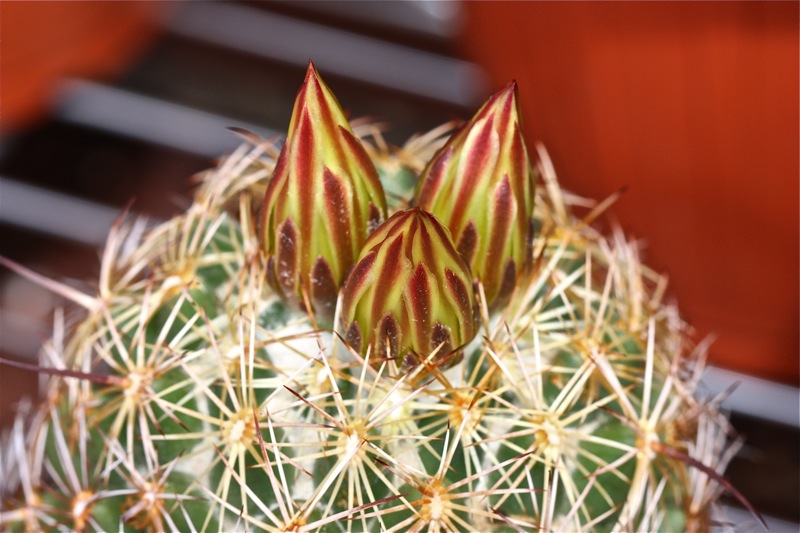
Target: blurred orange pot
(694, 106)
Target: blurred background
(691, 106)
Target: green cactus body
(198, 394)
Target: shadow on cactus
(343, 336)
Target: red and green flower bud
(409, 293)
(480, 185)
(322, 202)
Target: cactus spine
(202, 389)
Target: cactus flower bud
(409, 293)
(322, 202)
(480, 186)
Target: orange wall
(694, 106)
(43, 42)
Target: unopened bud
(322, 202)
(409, 293)
(479, 184)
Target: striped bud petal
(409, 293)
(480, 185)
(322, 202)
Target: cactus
(204, 388)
